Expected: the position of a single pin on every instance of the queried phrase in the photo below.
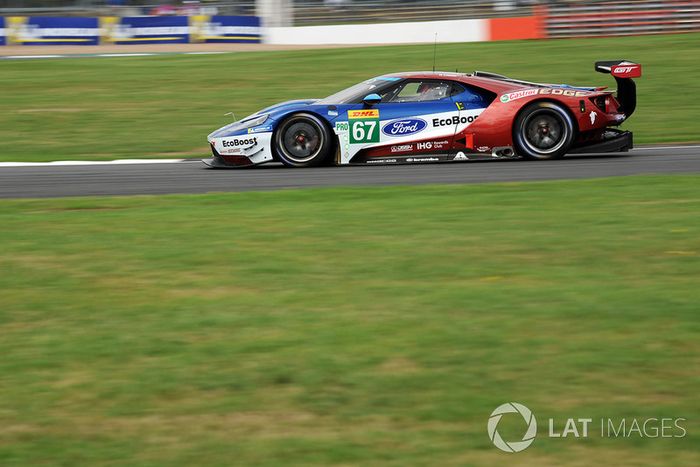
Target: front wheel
(303, 140)
(543, 130)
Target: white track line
(173, 161)
(654, 148)
(143, 54)
(114, 162)
(33, 56)
(125, 54)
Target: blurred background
(563, 17)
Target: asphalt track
(193, 177)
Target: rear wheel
(543, 130)
(303, 140)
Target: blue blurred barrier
(149, 30)
(29, 30)
(231, 29)
(42, 30)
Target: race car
(424, 117)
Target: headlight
(253, 121)
(246, 123)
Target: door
(470, 103)
(414, 117)
(419, 110)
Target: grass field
(348, 326)
(104, 108)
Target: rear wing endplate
(623, 71)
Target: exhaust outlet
(504, 151)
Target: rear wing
(623, 71)
(619, 68)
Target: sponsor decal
(441, 144)
(422, 159)
(239, 142)
(545, 92)
(231, 151)
(460, 157)
(562, 92)
(592, 116)
(483, 149)
(366, 113)
(381, 161)
(623, 69)
(454, 120)
(333, 113)
(518, 95)
(259, 129)
(404, 127)
(402, 148)
(627, 70)
(364, 126)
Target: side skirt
(454, 156)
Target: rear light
(601, 102)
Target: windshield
(355, 94)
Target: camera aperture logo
(528, 437)
(577, 428)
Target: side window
(472, 97)
(456, 89)
(421, 91)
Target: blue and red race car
(421, 117)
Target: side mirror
(371, 99)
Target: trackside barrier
(42, 30)
(527, 27)
(573, 20)
(218, 29)
(28, 30)
(463, 30)
(146, 30)
(622, 18)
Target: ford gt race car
(424, 117)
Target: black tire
(543, 131)
(302, 140)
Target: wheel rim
(301, 141)
(545, 132)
